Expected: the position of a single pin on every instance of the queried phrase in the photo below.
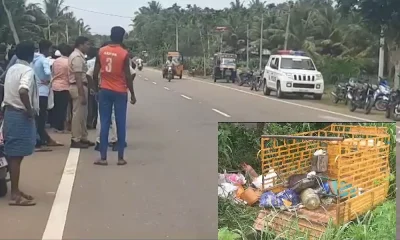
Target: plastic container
(310, 199)
(251, 196)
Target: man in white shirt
(21, 103)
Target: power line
(102, 13)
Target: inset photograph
(329, 181)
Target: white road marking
(154, 83)
(290, 103)
(166, 88)
(140, 75)
(184, 96)
(58, 214)
(146, 79)
(222, 113)
(334, 119)
(282, 101)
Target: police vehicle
(292, 72)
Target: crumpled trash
(319, 152)
(226, 189)
(270, 199)
(221, 178)
(268, 180)
(236, 179)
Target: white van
(292, 72)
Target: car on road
(292, 72)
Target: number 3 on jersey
(108, 67)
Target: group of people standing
(34, 84)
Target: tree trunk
(397, 74)
(394, 61)
(260, 127)
(11, 23)
(204, 52)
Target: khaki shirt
(77, 64)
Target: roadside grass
(240, 143)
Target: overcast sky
(101, 24)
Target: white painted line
(222, 113)
(184, 96)
(334, 119)
(140, 75)
(166, 88)
(282, 101)
(154, 83)
(58, 215)
(146, 79)
(290, 103)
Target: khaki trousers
(79, 115)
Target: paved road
(167, 190)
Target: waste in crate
(333, 174)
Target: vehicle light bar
(291, 52)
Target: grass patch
(239, 143)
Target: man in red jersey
(113, 64)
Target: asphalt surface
(167, 190)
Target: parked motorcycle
(246, 78)
(393, 107)
(380, 98)
(257, 82)
(341, 90)
(359, 94)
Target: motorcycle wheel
(369, 106)
(258, 83)
(335, 99)
(352, 106)
(3, 187)
(393, 115)
(240, 82)
(381, 104)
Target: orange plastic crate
(361, 160)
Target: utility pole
(176, 37)
(287, 27)
(48, 25)
(261, 39)
(220, 47)
(247, 46)
(381, 54)
(66, 33)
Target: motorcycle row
(359, 94)
(250, 78)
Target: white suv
(292, 72)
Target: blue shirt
(41, 67)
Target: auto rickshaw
(224, 66)
(177, 58)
